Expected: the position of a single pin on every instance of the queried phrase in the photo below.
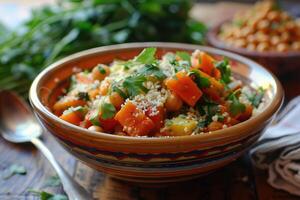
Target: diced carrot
(93, 93)
(216, 84)
(67, 102)
(216, 74)
(204, 62)
(83, 78)
(212, 93)
(134, 121)
(213, 126)
(185, 88)
(158, 117)
(71, 117)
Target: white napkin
(278, 150)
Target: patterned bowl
(152, 160)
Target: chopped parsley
(94, 118)
(119, 91)
(134, 85)
(202, 82)
(151, 70)
(256, 97)
(13, 170)
(107, 111)
(83, 96)
(101, 69)
(236, 106)
(48, 196)
(147, 56)
(224, 67)
(184, 56)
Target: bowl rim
(271, 109)
(212, 38)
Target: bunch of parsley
(73, 25)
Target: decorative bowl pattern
(142, 159)
(278, 62)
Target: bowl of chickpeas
(264, 33)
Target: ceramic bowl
(278, 62)
(152, 160)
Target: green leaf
(184, 56)
(147, 56)
(236, 106)
(108, 111)
(15, 169)
(119, 91)
(256, 97)
(202, 82)
(48, 196)
(53, 181)
(225, 70)
(94, 118)
(134, 85)
(101, 69)
(151, 70)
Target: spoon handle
(71, 187)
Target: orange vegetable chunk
(134, 121)
(185, 88)
(71, 117)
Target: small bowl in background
(278, 62)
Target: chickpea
(240, 43)
(261, 37)
(95, 128)
(246, 31)
(296, 46)
(213, 126)
(251, 47)
(104, 87)
(100, 72)
(282, 47)
(263, 25)
(116, 99)
(273, 16)
(284, 16)
(173, 102)
(262, 46)
(275, 40)
(285, 37)
(252, 39)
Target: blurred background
(34, 33)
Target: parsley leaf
(146, 56)
(134, 85)
(224, 67)
(94, 118)
(83, 96)
(101, 69)
(48, 196)
(202, 82)
(152, 70)
(184, 56)
(236, 106)
(15, 169)
(107, 111)
(53, 181)
(119, 91)
(256, 97)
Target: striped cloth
(278, 150)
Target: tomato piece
(158, 118)
(134, 121)
(185, 88)
(108, 125)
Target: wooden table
(236, 181)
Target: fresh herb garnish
(83, 96)
(52, 181)
(256, 97)
(48, 196)
(119, 91)
(80, 109)
(107, 111)
(147, 56)
(224, 67)
(152, 70)
(101, 69)
(15, 169)
(184, 56)
(94, 118)
(236, 106)
(134, 85)
(201, 81)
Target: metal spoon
(18, 125)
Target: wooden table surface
(239, 180)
